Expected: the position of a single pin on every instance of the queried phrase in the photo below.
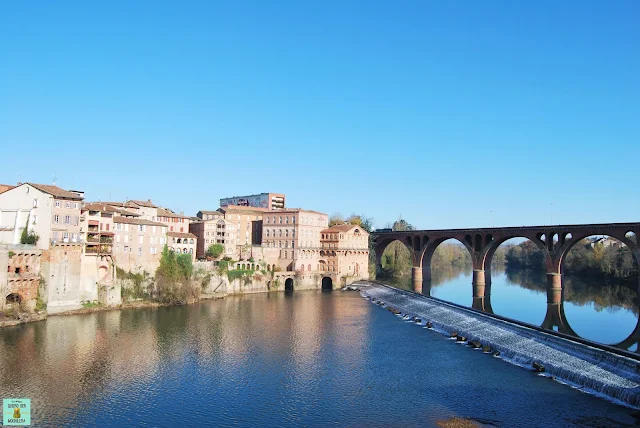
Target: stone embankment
(597, 371)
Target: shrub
(214, 251)
(28, 237)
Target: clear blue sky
(451, 114)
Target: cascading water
(591, 369)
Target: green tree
(214, 251)
(28, 237)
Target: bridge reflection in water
(554, 241)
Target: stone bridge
(554, 241)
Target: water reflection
(606, 312)
(68, 362)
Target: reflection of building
(53, 213)
(345, 250)
(269, 201)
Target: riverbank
(592, 370)
(136, 304)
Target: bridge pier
(426, 281)
(416, 279)
(554, 288)
(555, 317)
(479, 288)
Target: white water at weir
(591, 369)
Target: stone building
(211, 229)
(138, 243)
(97, 227)
(174, 222)
(183, 243)
(53, 214)
(19, 276)
(345, 251)
(295, 233)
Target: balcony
(106, 240)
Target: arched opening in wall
(600, 282)
(451, 269)
(396, 265)
(517, 279)
(288, 284)
(631, 236)
(13, 298)
(327, 283)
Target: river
(605, 312)
(302, 359)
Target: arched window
(267, 231)
(184, 251)
(190, 250)
(280, 232)
(286, 233)
(285, 254)
(302, 267)
(286, 220)
(309, 268)
(280, 219)
(191, 241)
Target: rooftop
(181, 235)
(129, 220)
(56, 192)
(107, 208)
(146, 204)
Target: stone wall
(271, 281)
(19, 276)
(71, 277)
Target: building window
(285, 254)
(140, 239)
(267, 231)
(68, 205)
(35, 203)
(141, 228)
(57, 204)
(76, 221)
(280, 233)
(286, 219)
(67, 219)
(65, 236)
(268, 219)
(35, 219)
(280, 219)
(139, 251)
(75, 205)
(293, 219)
(286, 233)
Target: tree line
(587, 258)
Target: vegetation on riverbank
(587, 258)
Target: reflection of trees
(603, 295)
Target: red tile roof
(181, 235)
(146, 204)
(129, 220)
(56, 192)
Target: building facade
(295, 233)
(52, 213)
(345, 251)
(269, 201)
(138, 243)
(183, 243)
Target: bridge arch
(381, 246)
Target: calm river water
(306, 359)
(595, 310)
